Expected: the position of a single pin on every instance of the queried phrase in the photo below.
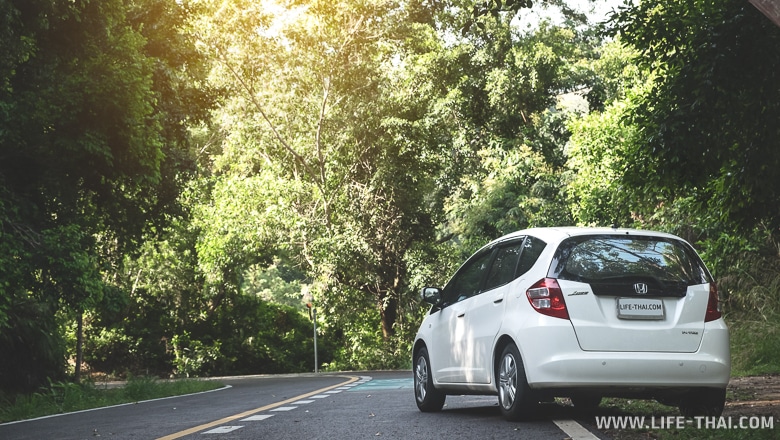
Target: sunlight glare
(282, 17)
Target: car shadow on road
(481, 407)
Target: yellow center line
(256, 410)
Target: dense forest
(179, 178)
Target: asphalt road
(325, 406)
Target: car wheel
(585, 403)
(708, 402)
(514, 396)
(428, 398)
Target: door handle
(498, 300)
(462, 314)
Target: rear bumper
(566, 366)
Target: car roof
(558, 233)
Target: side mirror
(431, 295)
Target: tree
(597, 150)
(81, 148)
(324, 152)
(510, 130)
(708, 126)
(482, 9)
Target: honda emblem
(640, 288)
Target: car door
(451, 350)
(447, 331)
(484, 312)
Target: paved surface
(349, 406)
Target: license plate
(640, 308)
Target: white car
(582, 313)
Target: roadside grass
(755, 344)
(67, 397)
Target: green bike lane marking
(385, 384)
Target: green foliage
(358, 346)
(519, 190)
(708, 125)
(34, 350)
(755, 341)
(244, 335)
(81, 121)
(136, 348)
(511, 131)
(193, 357)
(277, 283)
(249, 336)
(240, 226)
(181, 174)
(482, 10)
(748, 270)
(328, 155)
(595, 168)
(176, 321)
(81, 149)
(599, 149)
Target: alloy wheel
(421, 379)
(507, 388)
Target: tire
(428, 398)
(707, 402)
(585, 403)
(514, 395)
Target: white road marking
(574, 430)
(251, 412)
(257, 418)
(222, 430)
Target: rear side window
(532, 248)
(494, 267)
(503, 269)
(613, 264)
(513, 260)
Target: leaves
(81, 151)
(708, 122)
(324, 154)
(171, 167)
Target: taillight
(546, 298)
(713, 305)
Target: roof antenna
(615, 225)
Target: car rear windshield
(614, 264)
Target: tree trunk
(79, 345)
(388, 307)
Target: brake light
(546, 298)
(713, 305)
